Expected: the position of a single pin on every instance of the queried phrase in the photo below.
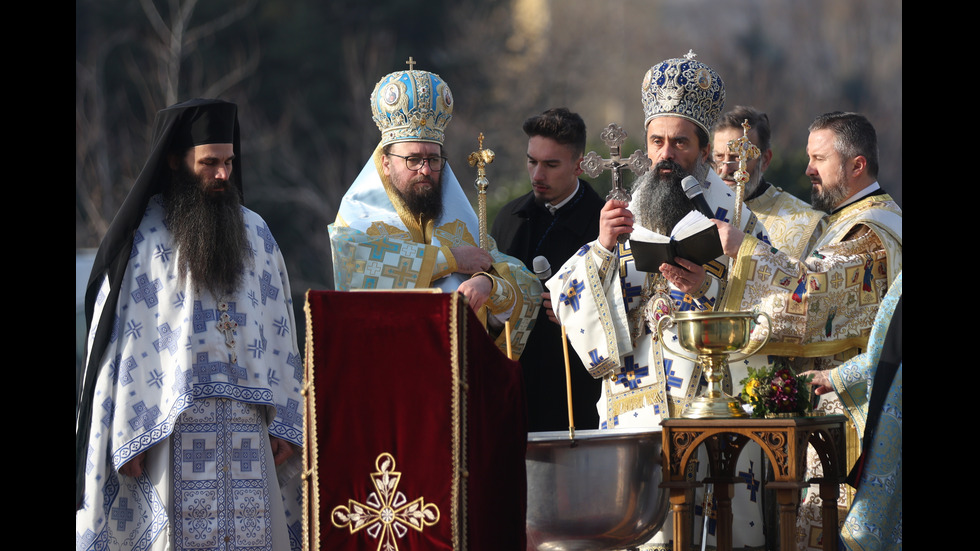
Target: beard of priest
(659, 202)
(204, 214)
(424, 202)
(826, 196)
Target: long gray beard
(659, 202)
(208, 231)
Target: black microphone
(694, 192)
(542, 268)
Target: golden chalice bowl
(712, 339)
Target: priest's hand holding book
(663, 257)
(680, 256)
(686, 276)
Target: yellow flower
(751, 387)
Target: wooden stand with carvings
(784, 442)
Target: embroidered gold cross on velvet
(386, 515)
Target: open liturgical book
(694, 238)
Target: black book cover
(700, 247)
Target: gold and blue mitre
(412, 106)
(683, 87)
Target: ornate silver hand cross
(593, 165)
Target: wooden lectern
(415, 427)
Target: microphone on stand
(694, 192)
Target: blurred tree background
(302, 71)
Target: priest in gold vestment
(405, 222)
(792, 224)
(826, 302)
(824, 305)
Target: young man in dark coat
(557, 217)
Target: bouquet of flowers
(771, 391)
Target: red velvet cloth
(383, 371)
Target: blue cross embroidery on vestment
(268, 291)
(122, 514)
(163, 253)
(134, 329)
(144, 417)
(629, 375)
(257, 348)
(582, 250)
(179, 300)
(751, 484)
(268, 241)
(147, 290)
(202, 316)
(198, 455)
(282, 326)
(289, 414)
(571, 295)
(168, 339)
(123, 369)
(245, 455)
(156, 378)
(272, 377)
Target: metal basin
(600, 492)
